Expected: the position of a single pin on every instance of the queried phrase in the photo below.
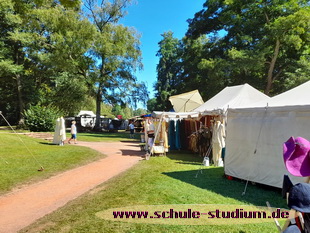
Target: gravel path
(22, 207)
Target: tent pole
(206, 155)
(260, 130)
(245, 188)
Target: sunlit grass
(21, 157)
(160, 181)
(104, 136)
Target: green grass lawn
(104, 136)
(160, 181)
(22, 156)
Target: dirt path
(20, 208)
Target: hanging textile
(188, 133)
(177, 135)
(165, 136)
(218, 142)
(183, 135)
(204, 140)
(192, 145)
(157, 126)
(171, 137)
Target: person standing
(150, 130)
(132, 129)
(73, 132)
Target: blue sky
(151, 18)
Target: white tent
(296, 96)
(232, 97)
(175, 115)
(255, 136)
(88, 118)
(86, 113)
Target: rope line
(21, 141)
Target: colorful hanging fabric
(177, 135)
(171, 135)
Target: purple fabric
(296, 156)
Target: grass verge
(105, 136)
(160, 181)
(22, 156)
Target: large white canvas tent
(255, 136)
(232, 97)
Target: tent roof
(87, 113)
(173, 115)
(299, 95)
(186, 102)
(233, 97)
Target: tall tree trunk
(18, 58)
(21, 104)
(271, 67)
(98, 107)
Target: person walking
(132, 129)
(73, 132)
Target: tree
(12, 55)
(126, 112)
(41, 42)
(62, 56)
(168, 69)
(139, 112)
(262, 41)
(116, 52)
(198, 69)
(152, 105)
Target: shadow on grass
(104, 135)
(132, 153)
(185, 157)
(48, 143)
(117, 135)
(213, 179)
(131, 141)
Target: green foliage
(116, 50)
(258, 42)
(152, 105)
(69, 93)
(40, 119)
(167, 70)
(126, 112)
(55, 53)
(40, 42)
(139, 112)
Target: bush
(40, 119)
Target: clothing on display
(171, 137)
(218, 142)
(189, 134)
(203, 140)
(177, 135)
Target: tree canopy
(232, 42)
(59, 54)
(264, 41)
(116, 50)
